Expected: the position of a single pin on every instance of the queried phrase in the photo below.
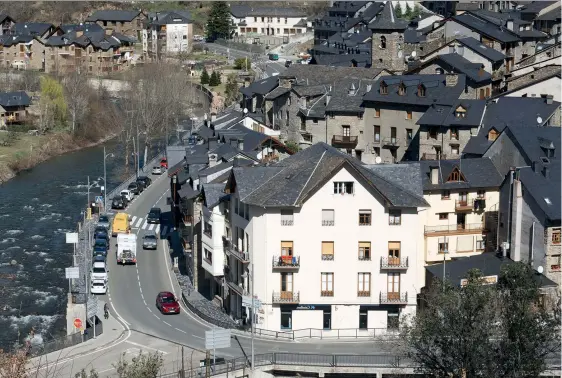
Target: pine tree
(219, 23)
(408, 13)
(398, 10)
(215, 79)
(417, 11)
(205, 77)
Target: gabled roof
(311, 74)
(481, 49)
(486, 28)
(113, 15)
(445, 115)
(343, 60)
(69, 28)
(169, 18)
(19, 98)
(31, 28)
(261, 87)
(477, 172)
(212, 194)
(347, 96)
(292, 181)
(4, 17)
(474, 71)
(387, 20)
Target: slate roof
(335, 24)
(545, 191)
(68, 28)
(290, 182)
(113, 15)
(168, 18)
(500, 19)
(4, 16)
(310, 90)
(479, 173)
(536, 6)
(436, 90)
(187, 192)
(343, 101)
(346, 7)
(261, 87)
(481, 49)
(10, 40)
(277, 92)
(387, 20)
(31, 28)
(486, 28)
(212, 194)
(240, 11)
(444, 115)
(552, 15)
(19, 98)
(474, 71)
(310, 74)
(344, 60)
(512, 112)
(488, 263)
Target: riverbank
(34, 150)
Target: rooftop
(240, 11)
(19, 98)
(481, 49)
(473, 173)
(470, 114)
(113, 15)
(474, 71)
(486, 28)
(387, 20)
(309, 74)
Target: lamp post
(252, 310)
(105, 156)
(445, 251)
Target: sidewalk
(112, 331)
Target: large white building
(167, 33)
(330, 241)
(248, 19)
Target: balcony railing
(344, 141)
(434, 156)
(187, 219)
(363, 293)
(286, 262)
(365, 258)
(286, 297)
(392, 142)
(326, 293)
(327, 223)
(286, 222)
(328, 257)
(393, 298)
(235, 284)
(232, 250)
(394, 263)
(464, 205)
(472, 228)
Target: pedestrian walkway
(112, 332)
(142, 223)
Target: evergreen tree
(417, 11)
(408, 13)
(231, 89)
(218, 23)
(214, 80)
(398, 10)
(205, 77)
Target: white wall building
(330, 241)
(167, 33)
(267, 21)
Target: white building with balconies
(326, 241)
(251, 20)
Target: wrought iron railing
(454, 228)
(394, 263)
(286, 297)
(286, 262)
(396, 298)
(233, 250)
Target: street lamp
(445, 251)
(252, 309)
(105, 156)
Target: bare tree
(76, 85)
(141, 366)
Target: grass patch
(21, 147)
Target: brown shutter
(327, 248)
(394, 245)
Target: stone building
(6, 23)
(22, 52)
(128, 22)
(388, 40)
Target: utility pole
(208, 363)
(138, 151)
(182, 364)
(253, 312)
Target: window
(493, 134)
(377, 151)
(384, 88)
(456, 175)
(278, 19)
(432, 133)
(207, 229)
(286, 248)
(394, 217)
(408, 114)
(377, 133)
(363, 284)
(556, 236)
(480, 245)
(443, 216)
(439, 71)
(343, 187)
(364, 251)
(443, 246)
(454, 133)
(363, 316)
(393, 318)
(346, 130)
(262, 19)
(328, 217)
(401, 89)
(236, 202)
(445, 194)
(332, 115)
(394, 253)
(285, 19)
(481, 194)
(451, 49)
(286, 217)
(328, 251)
(327, 288)
(364, 217)
(377, 113)
(287, 282)
(286, 319)
(314, 121)
(393, 287)
(421, 91)
(409, 135)
(327, 319)
(255, 19)
(454, 149)
(383, 42)
(208, 257)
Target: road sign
(217, 338)
(247, 302)
(77, 323)
(99, 199)
(72, 272)
(71, 237)
(92, 307)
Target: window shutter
(394, 245)
(365, 244)
(286, 244)
(327, 248)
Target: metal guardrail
(455, 228)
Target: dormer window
(421, 91)
(401, 89)
(456, 176)
(460, 112)
(384, 88)
(493, 134)
(383, 42)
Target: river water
(37, 208)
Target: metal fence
(329, 334)
(55, 344)
(83, 261)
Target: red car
(167, 303)
(164, 163)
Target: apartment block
(250, 20)
(167, 33)
(128, 22)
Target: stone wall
(553, 258)
(444, 140)
(388, 58)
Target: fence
(244, 47)
(329, 334)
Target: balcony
(453, 229)
(464, 205)
(234, 251)
(393, 298)
(327, 223)
(394, 263)
(498, 75)
(391, 142)
(286, 222)
(433, 156)
(363, 293)
(235, 284)
(327, 257)
(286, 263)
(284, 297)
(344, 141)
(327, 293)
(187, 220)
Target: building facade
(248, 20)
(167, 33)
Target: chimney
(234, 142)
(246, 83)
(451, 80)
(213, 117)
(79, 33)
(535, 166)
(212, 143)
(434, 175)
(241, 144)
(549, 99)
(212, 160)
(546, 171)
(510, 24)
(351, 90)
(108, 31)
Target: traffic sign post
(99, 199)
(92, 310)
(70, 273)
(247, 302)
(217, 338)
(77, 323)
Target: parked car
(100, 247)
(98, 287)
(146, 181)
(273, 56)
(164, 163)
(119, 202)
(156, 170)
(135, 188)
(101, 232)
(154, 215)
(127, 194)
(99, 258)
(167, 303)
(103, 221)
(150, 240)
(99, 272)
(288, 63)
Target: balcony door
(393, 288)
(393, 253)
(463, 198)
(461, 221)
(286, 285)
(286, 248)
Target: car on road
(103, 221)
(167, 303)
(99, 272)
(98, 287)
(101, 233)
(154, 215)
(99, 258)
(156, 170)
(135, 188)
(119, 202)
(146, 181)
(288, 63)
(100, 247)
(127, 194)
(164, 163)
(150, 240)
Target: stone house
(388, 40)
(22, 52)
(14, 107)
(540, 82)
(128, 22)
(41, 30)
(547, 55)
(6, 23)
(393, 108)
(167, 33)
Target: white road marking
(157, 317)
(106, 370)
(151, 227)
(144, 346)
(123, 320)
(198, 337)
(138, 223)
(144, 225)
(167, 323)
(165, 230)
(144, 301)
(157, 229)
(149, 309)
(133, 219)
(181, 330)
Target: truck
(126, 249)
(121, 224)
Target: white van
(98, 287)
(126, 193)
(99, 272)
